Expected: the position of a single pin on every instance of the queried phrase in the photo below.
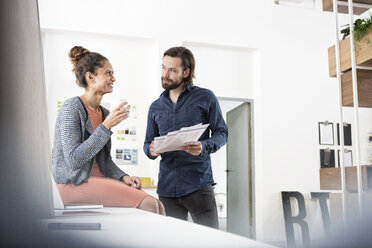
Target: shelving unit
(330, 178)
(149, 186)
(355, 90)
(360, 6)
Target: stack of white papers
(173, 141)
(71, 213)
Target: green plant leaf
(361, 28)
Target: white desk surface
(131, 227)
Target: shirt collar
(166, 92)
(188, 87)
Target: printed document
(173, 141)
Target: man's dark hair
(187, 58)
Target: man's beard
(173, 85)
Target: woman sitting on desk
(82, 164)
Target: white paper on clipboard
(326, 133)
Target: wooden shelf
(363, 54)
(328, 6)
(149, 186)
(330, 178)
(364, 78)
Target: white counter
(128, 227)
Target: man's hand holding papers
(193, 147)
(152, 150)
(184, 139)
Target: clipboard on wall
(327, 158)
(326, 133)
(348, 158)
(347, 134)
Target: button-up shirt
(181, 173)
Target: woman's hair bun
(84, 61)
(76, 53)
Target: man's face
(172, 73)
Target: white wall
(291, 88)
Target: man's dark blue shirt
(180, 172)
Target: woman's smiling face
(104, 78)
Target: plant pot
(363, 54)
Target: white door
(239, 171)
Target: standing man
(185, 176)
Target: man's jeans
(201, 204)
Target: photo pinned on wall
(326, 133)
(126, 156)
(128, 134)
(348, 158)
(130, 131)
(120, 138)
(327, 158)
(133, 112)
(347, 134)
(59, 105)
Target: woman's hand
(133, 182)
(116, 116)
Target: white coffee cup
(120, 101)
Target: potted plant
(363, 47)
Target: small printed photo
(119, 150)
(119, 156)
(127, 157)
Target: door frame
(252, 159)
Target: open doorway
(233, 168)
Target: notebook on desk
(77, 213)
(58, 203)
